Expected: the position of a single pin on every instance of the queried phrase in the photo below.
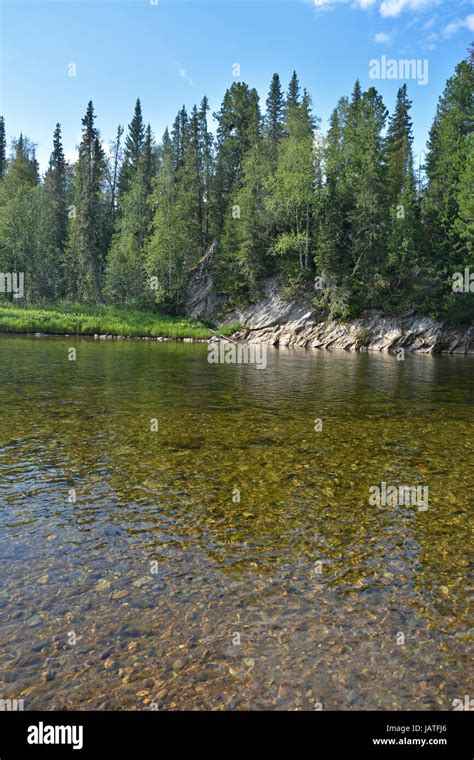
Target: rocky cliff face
(295, 323)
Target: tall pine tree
(274, 117)
(85, 254)
(54, 219)
(133, 148)
(404, 233)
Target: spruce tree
(404, 233)
(133, 148)
(114, 170)
(149, 160)
(448, 149)
(368, 216)
(125, 277)
(266, 195)
(332, 260)
(274, 117)
(165, 250)
(85, 252)
(55, 186)
(178, 134)
(238, 128)
(54, 219)
(464, 222)
(293, 95)
(247, 235)
(445, 203)
(206, 142)
(399, 158)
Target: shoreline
(243, 337)
(100, 322)
(96, 336)
(271, 321)
(277, 321)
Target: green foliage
(125, 278)
(85, 252)
(133, 150)
(291, 196)
(229, 330)
(56, 197)
(270, 194)
(447, 207)
(166, 249)
(3, 149)
(78, 319)
(274, 117)
(181, 226)
(238, 128)
(247, 228)
(20, 215)
(362, 338)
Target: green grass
(77, 319)
(229, 330)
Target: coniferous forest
(236, 375)
(267, 193)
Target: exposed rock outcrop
(201, 301)
(279, 322)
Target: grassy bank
(77, 319)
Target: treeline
(345, 216)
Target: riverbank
(102, 322)
(279, 321)
(273, 320)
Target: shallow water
(158, 589)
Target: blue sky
(172, 52)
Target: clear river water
(176, 534)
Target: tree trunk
(98, 289)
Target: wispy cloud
(393, 8)
(428, 24)
(429, 43)
(324, 5)
(387, 8)
(460, 23)
(183, 73)
(382, 38)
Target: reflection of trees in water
(304, 494)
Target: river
(176, 534)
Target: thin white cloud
(429, 43)
(460, 23)
(323, 5)
(183, 73)
(365, 3)
(393, 8)
(382, 38)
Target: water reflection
(163, 633)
